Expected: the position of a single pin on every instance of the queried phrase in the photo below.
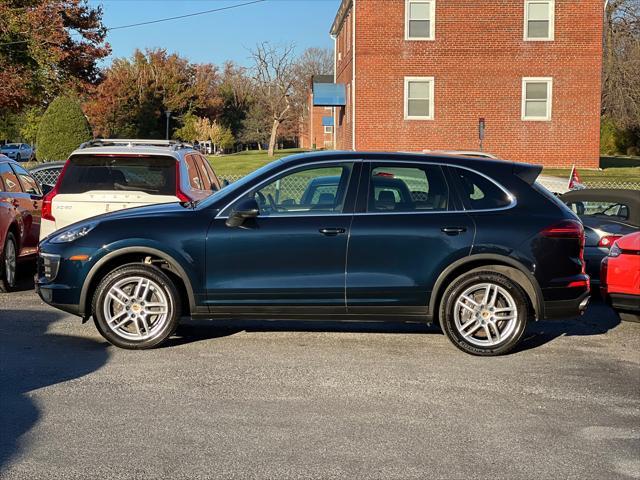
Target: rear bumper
(563, 309)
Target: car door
(406, 230)
(13, 197)
(30, 201)
(293, 253)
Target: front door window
(308, 191)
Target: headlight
(615, 250)
(73, 234)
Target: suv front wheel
(484, 313)
(136, 307)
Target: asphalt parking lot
(328, 400)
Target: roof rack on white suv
(131, 142)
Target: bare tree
(621, 64)
(274, 77)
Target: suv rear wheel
(484, 313)
(136, 307)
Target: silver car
(20, 152)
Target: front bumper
(565, 309)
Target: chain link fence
(49, 177)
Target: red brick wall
(478, 60)
(344, 75)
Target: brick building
(317, 120)
(420, 74)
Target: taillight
(565, 229)
(47, 200)
(183, 197)
(568, 229)
(608, 240)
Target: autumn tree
(237, 95)
(274, 78)
(135, 94)
(621, 67)
(48, 47)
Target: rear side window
(478, 192)
(153, 175)
(208, 170)
(193, 174)
(394, 188)
(29, 185)
(10, 180)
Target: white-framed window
(537, 95)
(418, 98)
(539, 20)
(328, 129)
(420, 20)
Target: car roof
(133, 150)
(448, 159)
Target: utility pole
(168, 114)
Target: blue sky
(217, 36)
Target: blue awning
(327, 121)
(329, 95)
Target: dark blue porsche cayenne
(473, 244)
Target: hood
(160, 209)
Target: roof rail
(130, 142)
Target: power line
(178, 17)
(229, 7)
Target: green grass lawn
(242, 163)
(611, 174)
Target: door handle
(332, 232)
(453, 230)
(15, 203)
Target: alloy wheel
(485, 314)
(136, 308)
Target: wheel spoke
(143, 319)
(496, 330)
(473, 330)
(118, 316)
(123, 322)
(467, 325)
(464, 305)
(492, 302)
(487, 294)
(467, 298)
(488, 333)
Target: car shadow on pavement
(30, 359)
(198, 330)
(598, 320)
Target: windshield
(238, 185)
(11, 146)
(599, 208)
(155, 175)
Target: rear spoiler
(527, 171)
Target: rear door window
(404, 188)
(153, 175)
(478, 192)
(207, 171)
(9, 178)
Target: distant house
(317, 120)
(424, 74)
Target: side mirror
(247, 208)
(225, 183)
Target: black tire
(165, 284)
(629, 317)
(468, 281)
(8, 284)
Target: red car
(20, 211)
(620, 277)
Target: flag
(574, 180)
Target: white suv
(108, 175)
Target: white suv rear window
(153, 175)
